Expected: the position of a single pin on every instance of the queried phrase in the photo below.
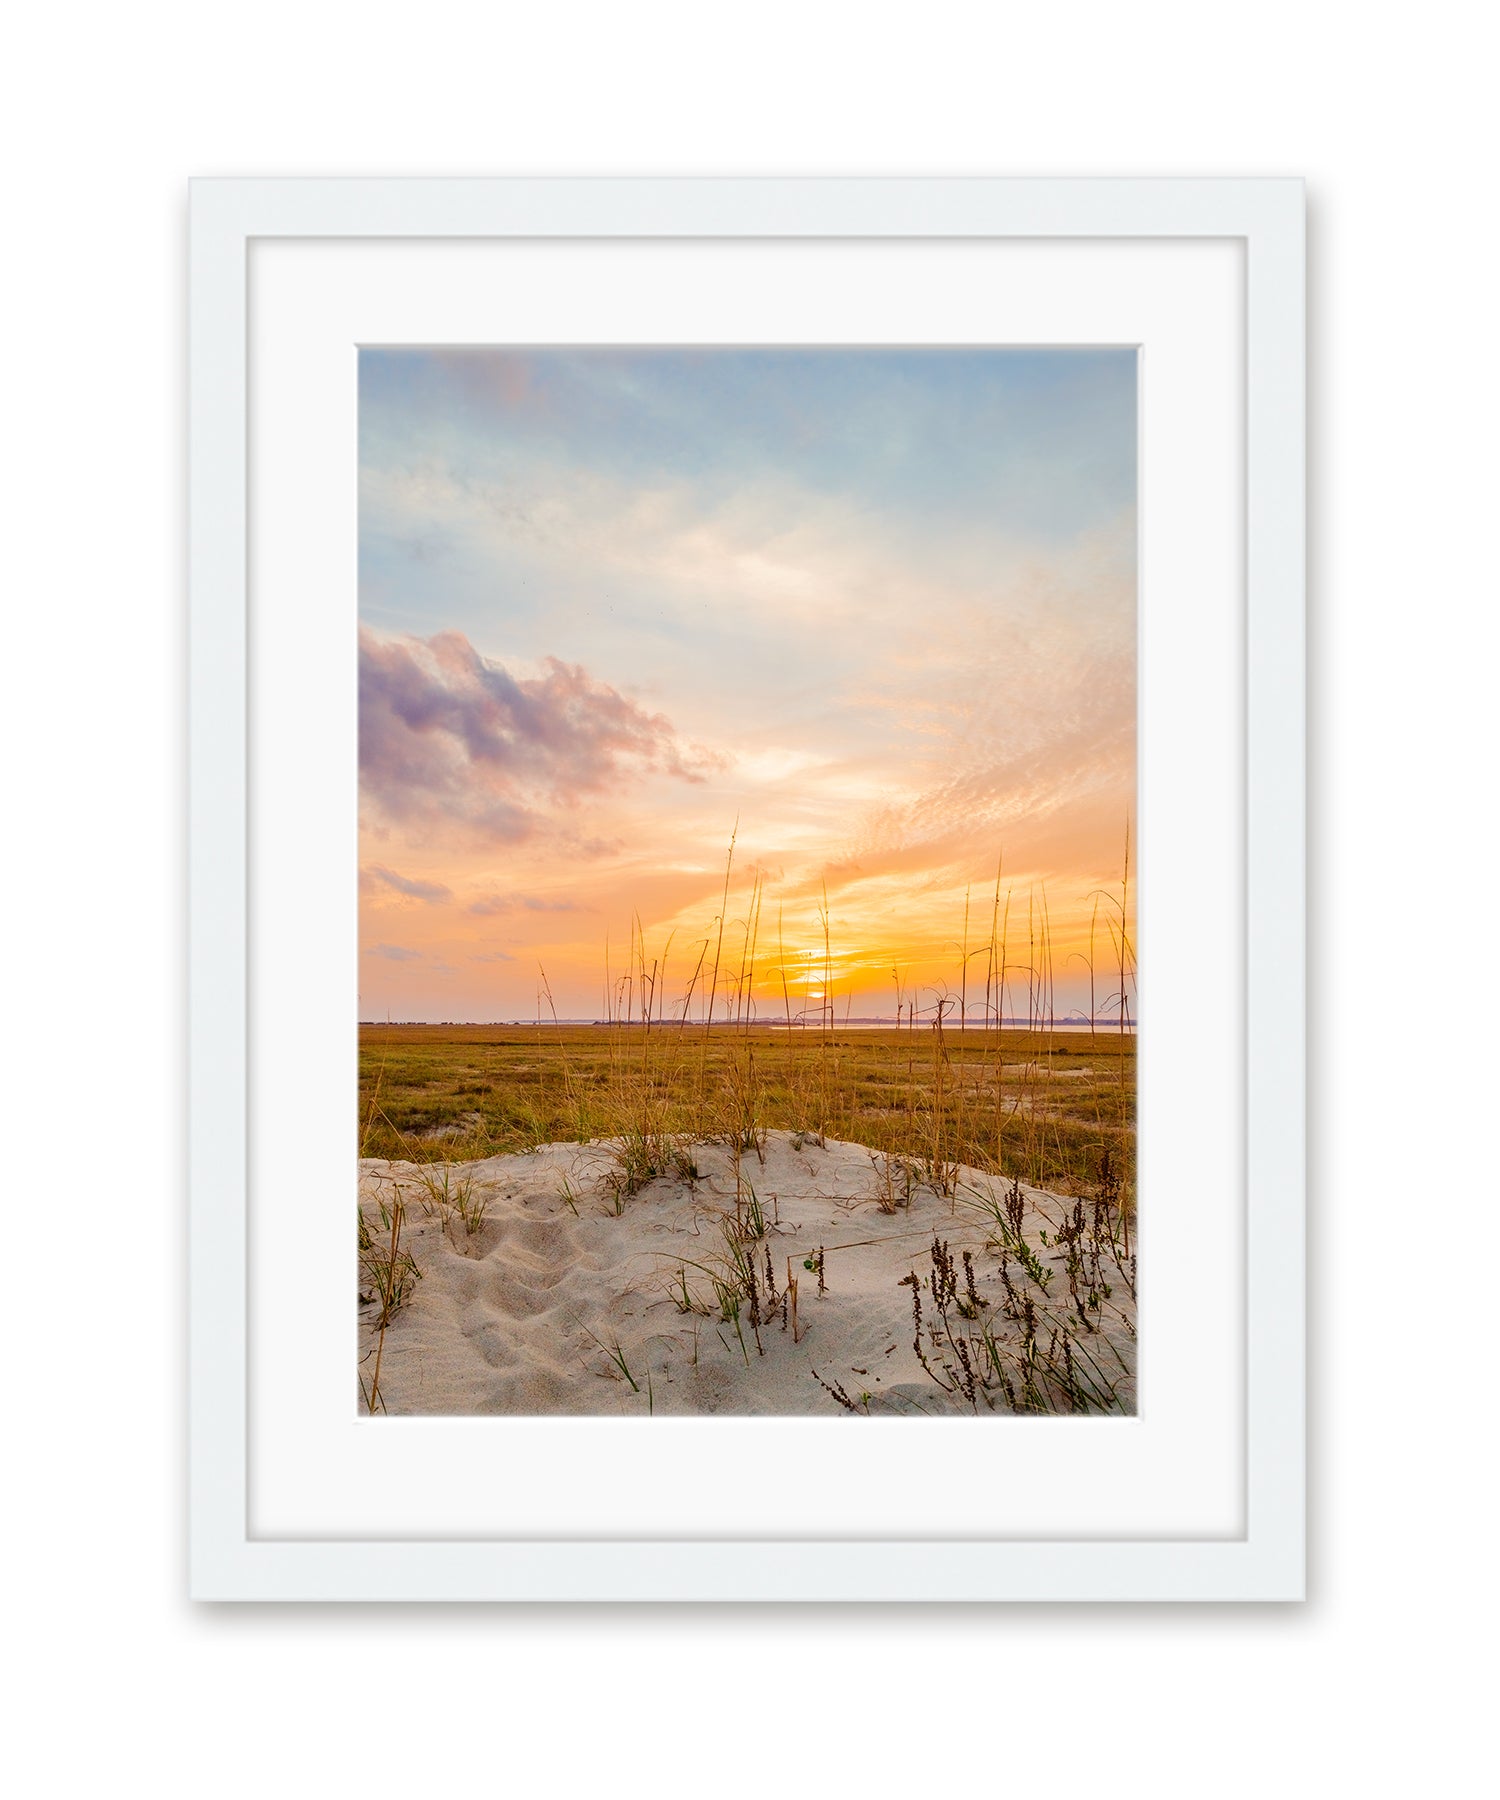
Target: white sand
(522, 1315)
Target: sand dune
(555, 1303)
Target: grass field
(1055, 1108)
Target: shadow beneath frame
(748, 1619)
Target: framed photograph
(747, 890)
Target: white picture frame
(233, 1557)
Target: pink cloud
(447, 735)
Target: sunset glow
(871, 613)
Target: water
(1100, 1028)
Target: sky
(871, 613)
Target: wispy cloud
(375, 877)
(393, 952)
(492, 904)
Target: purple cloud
(376, 876)
(445, 733)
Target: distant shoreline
(738, 1027)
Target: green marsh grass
(1049, 1107)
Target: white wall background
(1374, 1687)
